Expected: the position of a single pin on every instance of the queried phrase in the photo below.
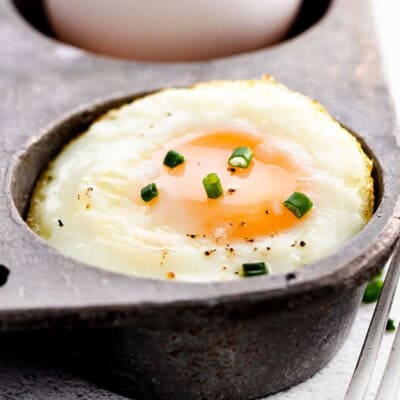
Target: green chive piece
(149, 192)
(255, 269)
(390, 325)
(173, 159)
(298, 203)
(213, 186)
(241, 157)
(372, 291)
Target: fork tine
(391, 377)
(366, 361)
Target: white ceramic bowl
(171, 30)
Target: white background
(387, 24)
(331, 383)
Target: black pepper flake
(242, 223)
(209, 252)
(266, 212)
(191, 235)
(255, 249)
(302, 243)
(164, 254)
(60, 223)
(231, 249)
(268, 248)
(290, 276)
(231, 169)
(293, 244)
(236, 273)
(231, 191)
(250, 240)
(87, 206)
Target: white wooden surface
(331, 382)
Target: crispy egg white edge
(103, 234)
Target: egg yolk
(252, 203)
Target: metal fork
(358, 387)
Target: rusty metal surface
(41, 80)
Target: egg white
(83, 204)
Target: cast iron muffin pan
(152, 339)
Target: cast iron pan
(154, 339)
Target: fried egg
(88, 203)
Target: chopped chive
(372, 291)
(241, 157)
(390, 325)
(255, 269)
(172, 159)
(298, 203)
(213, 186)
(149, 192)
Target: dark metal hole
(4, 273)
(311, 12)
(34, 13)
